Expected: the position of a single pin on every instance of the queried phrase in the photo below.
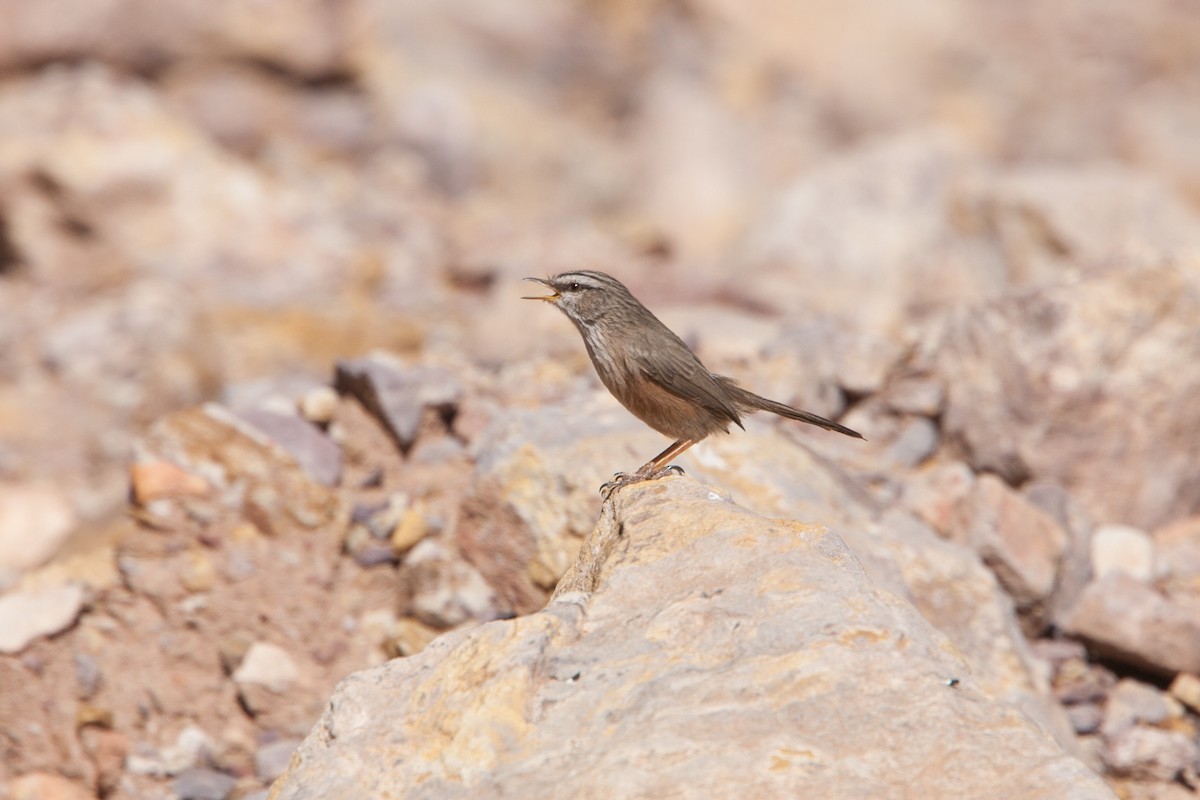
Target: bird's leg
(653, 469)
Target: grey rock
(315, 452)
(397, 394)
(1124, 619)
(1131, 702)
(1147, 753)
(1085, 717)
(87, 675)
(272, 759)
(916, 442)
(1022, 544)
(201, 783)
(915, 395)
(445, 590)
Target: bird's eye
(573, 287)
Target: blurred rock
(1085, 717)
(301, 37)
(191, 748)
(1177, 554)
(46, 786)
(935, 492)
(1186, 689)
(752, 621)
(398, 394)
(35, 521)
(445, 591)
(1151, 753)
(88, 675)
(155, 480)
(1034, 392)
(1132, 702)
(315, 452)
(1075, 569)
(916, 442)
(915, 395)
(865, 234)
(533, 494)
(1120, 548)
(26, 615)
(107, 749)
(1049, 218)
(1018, 541)
(272, 759)
(318, 405)
(1124, 619)
(247, 471)
(201, 783)
(268, 666)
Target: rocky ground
(271, 410)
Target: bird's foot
(646, 473)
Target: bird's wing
(678, 371)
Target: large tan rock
(1069, 381)
(695, 649)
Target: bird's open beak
(549, 298)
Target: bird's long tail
(750, 400)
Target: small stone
(1085, 717)
(917, 440)
(201, 783)
(373, 555)
(1076, 681)
(1186, 689)
(934, 494)
(88, 677)
(158, 480)
(357, 538)
(28, 615)
(1148, 753)
(272, 759)
(1131, 702)
(397, 394)
(446, 591)
(408, 637)
(198, 573)
(269, 666)
(382, 522)
(46, 786)
(1021, 543)
(1058, 651)
(1124, 619)
(319, 405)
(915, 396)
(35, 521)
(192, 747)
(1120, 548)
(316, 453)
(411, 530)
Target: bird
(653, 373)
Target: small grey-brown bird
(652, 372)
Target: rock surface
(693, 644)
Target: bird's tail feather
(751, 400)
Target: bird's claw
(620, 479)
